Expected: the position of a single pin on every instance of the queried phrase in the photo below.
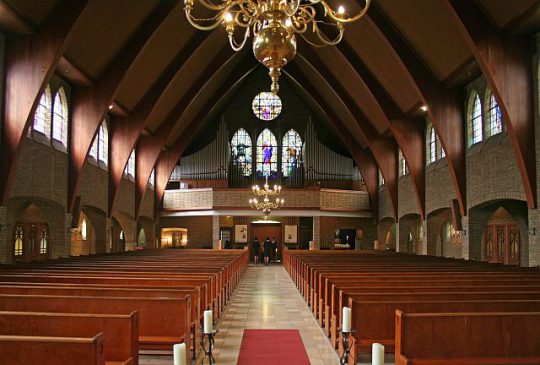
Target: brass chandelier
(273, 24)
(266, 205)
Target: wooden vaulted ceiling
(368, 87)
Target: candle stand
(208, 346)
(344, 360)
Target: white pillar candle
(179, 351)
(346, 319)
(208, 325)
(377, 354)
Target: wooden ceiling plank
(30, 62)
(168, 159)
(150, 147)
(444, 106)
(384, 149)
(364, 158)
(91, 104)
(407, 131)
(12, 21)
(125, 131)
(506, 65)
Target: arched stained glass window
(266, 154)
(242, 151)
(495, 115)
(103, 149)
(19, 243)
(42, 117)
(60, 117)
(266, 106)
(291, 154)
(43, 239)
(476, 120)
(432, 156)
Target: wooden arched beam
(90, 104)
(445, 106)
(408, 131)
(30, 61)
(364, 158)
(384, 149)
(125, 131)
(149, 147)
(506, 63)
(169, 158)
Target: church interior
(240, 182)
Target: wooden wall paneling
(150, 147)
(506, 63)
(30, 62)
(445, 106)
(364, 159)
(90, 104)
(407, 131)
(384, 149)
(125, 131)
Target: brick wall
(407, 202)
(439, 186)
(385, 205)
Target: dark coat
(267, 246)
(256, 248)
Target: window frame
(60, 114)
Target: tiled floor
(265, 298)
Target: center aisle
(267, 299)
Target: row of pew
(424, 309)
(109, 309)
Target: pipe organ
(321, 163)
(209, 163)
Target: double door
(31, 242)
(502, 243)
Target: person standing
(256, 250)
(267, 247)
(273, 254)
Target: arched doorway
(502, 241)
(31, 239)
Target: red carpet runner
(272, 347)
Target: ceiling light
(111, 107)
(274, 24)
(424, 108)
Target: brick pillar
(422, 240)
(466, 238)
(5, 236)
(399, 247)
(530, 256)
(108, 235)
(215, 232)
(316, 232)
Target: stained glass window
(19, 235)
(60, 117)
(100, 147)
(42, 116)
(476, 120)
(129, 170)
(43, 237)
(242, 151)
(432, 145)
(495, 115)
(291, 154)
(266, 106)
(266, 154)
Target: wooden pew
(32, 350)
(162, 321)
(467, 338)
(121, 344)
(375, 321)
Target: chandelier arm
(193, 21)
(342, 19)
(324, 41)
(238, 46)
(211, 6)
(294, 8)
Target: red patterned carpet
(272, 347)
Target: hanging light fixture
(266, 205)
(274, 24)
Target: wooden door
(31, 242)
(261, 231)
(502, 243)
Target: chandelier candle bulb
(346, 325)
(377, 354)
(179, 354)
(341, 10)
(208, 322)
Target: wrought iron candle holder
(208, 347)
(344, 360)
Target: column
(316, 233)
(215, 232)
